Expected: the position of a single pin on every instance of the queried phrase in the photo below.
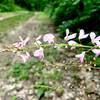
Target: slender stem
(44, 86)
(13, 49)
(63, 45)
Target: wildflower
(96, 52)
(82, 34)
(94, 39)
(20, 44)
(81, 56)
(68, 37)
(39, 53)
(72, 43)
(48, 38)
(25, 56)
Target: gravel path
(79, 81)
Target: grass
(10, 14)
(11, 22)
(41, 16)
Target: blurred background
(60, 75)
(72, 14)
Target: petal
(97, 38)
(67, 32)
(81, 59)
(71, 43)
(39, 37)
(25, 56)
(39, 54)
(92, 35)
(21, 39)
(82, 34)
(71, 36)
(48, 38)
(97, 43)
(96, 52)
(26, 40)
(81, 56)
(85, 36)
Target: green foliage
(21, 70)
(94, 60)
(75, 14)
(9, 5)
(41, 88)
(37, 5)
(14, 98)
(11, 22)
(41, 73)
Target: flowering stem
(63, 45)
(13, 49)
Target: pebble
(68, 95)
(77, 98)
(19, 86)
(30, 92)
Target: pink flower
(39, 54)
(95, 39)
(48, 38)
(68, 37)
(81, 56)
(96, 52)
(82, 34)
(20, 44)
(25, 56)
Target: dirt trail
(79, 81)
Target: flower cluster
(49, 40)
(94, 40)
(39, 53)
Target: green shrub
(37, 5)
(75, 14)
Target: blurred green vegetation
(39, 74)
(76, 14)
(11, 22)
(72, 14)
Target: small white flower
(72, 43)
(94, 39)
(82, 34)
(69, 37)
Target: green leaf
(40, 92)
